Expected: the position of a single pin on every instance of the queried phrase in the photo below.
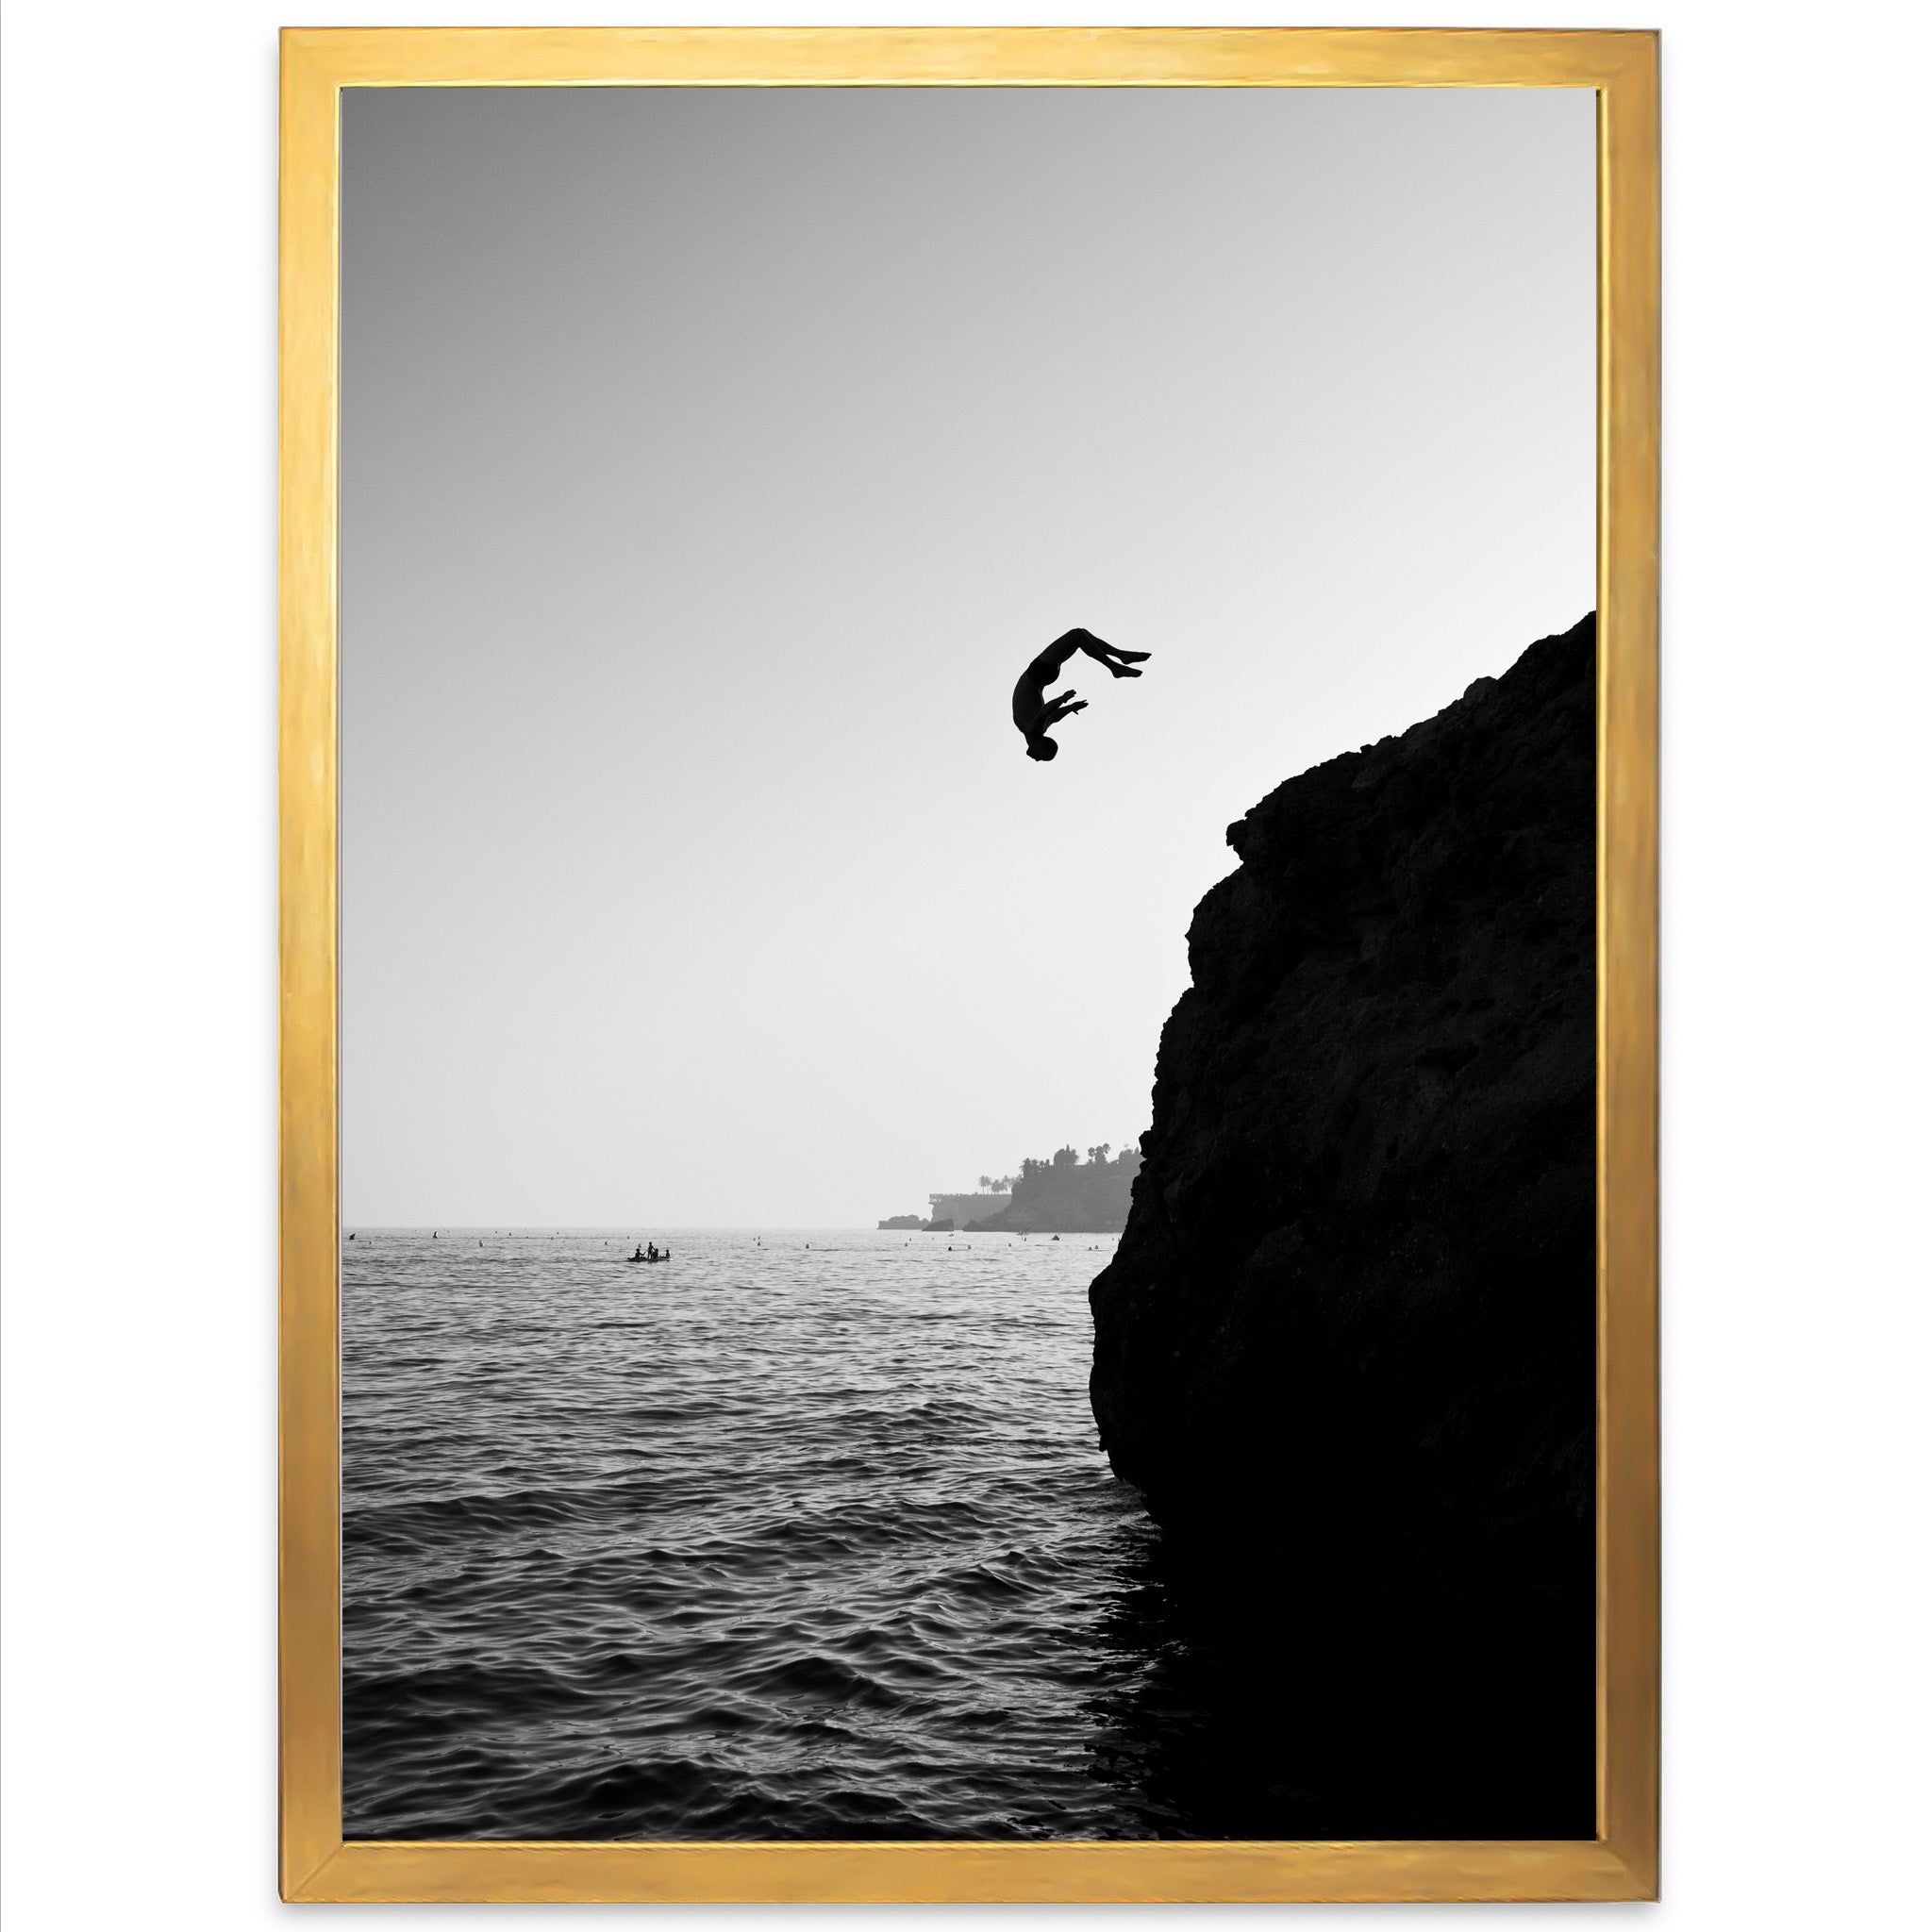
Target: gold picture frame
(1620, 1862)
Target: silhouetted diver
(1035, 714)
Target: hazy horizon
(625, 1228)
(712, 462)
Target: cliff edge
(1346, 1346)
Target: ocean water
(801, 1535)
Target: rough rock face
(1347, 1348)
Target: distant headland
(1061, 1195)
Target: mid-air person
(1035, 713)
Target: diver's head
(1042, 748)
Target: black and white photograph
(964, 962)
(968, 963)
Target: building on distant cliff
(1064, 1195)
(961, 1209)
(1068, 1195)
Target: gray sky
(713, 461)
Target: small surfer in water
(1035, 713)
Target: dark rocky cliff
(1347, 1348)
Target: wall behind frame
(138, 950)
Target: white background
(139, 966)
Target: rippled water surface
(775, 1540)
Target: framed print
(969, 919)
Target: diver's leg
(1114, 658)
(1053, 660)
